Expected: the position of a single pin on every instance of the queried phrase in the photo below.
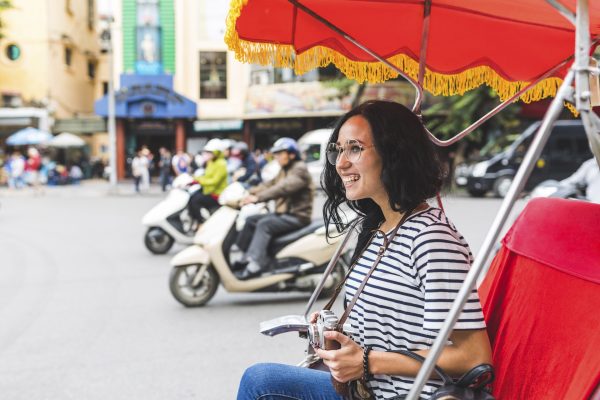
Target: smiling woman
(409, 264)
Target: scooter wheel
(158, 241)
(192, 290)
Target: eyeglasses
(352, 150)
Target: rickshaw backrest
(541, 300)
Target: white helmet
(213, 145)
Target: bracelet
(366, 374)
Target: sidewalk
(87, 188)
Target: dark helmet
(286, 144)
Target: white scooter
(298, 259)
(169, 221)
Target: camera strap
(380, 254)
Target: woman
(382, 165)
(213, 181)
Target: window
(90, 14)
(260, 75)
(104, 87)
(13, 52)
(68, 56)
(91, 69)
(213, 75)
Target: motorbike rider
(247, 172)
(213, 181)
(293, 191)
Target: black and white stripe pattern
(406, 299)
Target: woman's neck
(391, 217)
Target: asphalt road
(85, 310)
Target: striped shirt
(406, 299)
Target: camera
(326, 321)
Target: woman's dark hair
(411, 170)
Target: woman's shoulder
(433, 219)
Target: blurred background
(85, 86)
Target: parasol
(66, 140)
(28, 136)
(503, 44)
(522, 49)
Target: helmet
(286, 144)
(227, 143)
(240, 148)
(213, 145)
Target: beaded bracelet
(366, 374)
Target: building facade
(48, 67)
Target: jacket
(292, 189)
(214, 180)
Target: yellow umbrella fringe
(284, 56)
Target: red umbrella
(505, 44)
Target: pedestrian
(137, 165)
(180, 162)
(164, 165)
(33, 165)
(147, 157)
(382, 165)
(17, 169)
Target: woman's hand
(345, 364)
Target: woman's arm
(468, 349)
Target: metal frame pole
(478, 266)
(112, 129)
(337, 256)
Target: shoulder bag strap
(380, 254)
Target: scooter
(298, 261)
(169, 221)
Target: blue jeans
(285, 382)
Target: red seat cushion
(541, 300)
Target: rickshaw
(524, 50)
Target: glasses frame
(343, 150)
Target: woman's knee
(256, 379)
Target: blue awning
(147, 96)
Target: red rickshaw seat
(541, 300)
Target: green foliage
(343, 85)
(455, 113)
(4, 5)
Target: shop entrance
(153, 134)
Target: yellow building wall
(26, 25)
(72, 91)
(43, 28)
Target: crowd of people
(240, 164)
(20, 169)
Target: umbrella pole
(590, 120)
(479, 265)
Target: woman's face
(208, 156)
(362, 178)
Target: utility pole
(107, 47)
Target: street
(86, 313)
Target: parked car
(312, 145)
(566, 149)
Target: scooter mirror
(287, 323)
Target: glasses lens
(353, 150)
(332, 153)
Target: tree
(455, 113)
(4, 5)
